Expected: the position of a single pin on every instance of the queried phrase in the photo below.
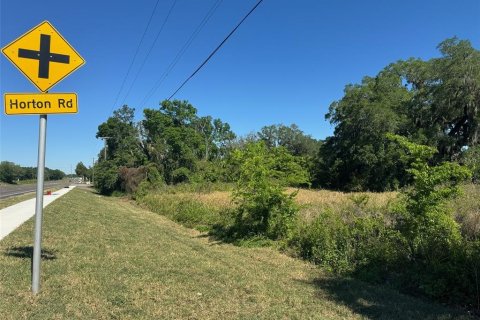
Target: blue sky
(286, 63)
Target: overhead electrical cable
(182, 51)
(136, 53)
(149, 52)
(216, 49)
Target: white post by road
(37, 244)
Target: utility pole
(105, 147)
(93, 171)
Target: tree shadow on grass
(376, 302)
(26, 252)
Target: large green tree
(174, 140)
(358, 156)
(124, 146)
(434, 102)
(81, 170)
(290, 137)
(9, 171)
(445, 108)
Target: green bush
(181, 175)
(106, 177)
(418, 247)
(433, 242)
(151, 180)
(326, 242)
(354, 242)
(209, 172)
(263, 207)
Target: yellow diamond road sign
(43, 56)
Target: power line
(136, 53)
(149, 52)
(182, 51)
(216, 49)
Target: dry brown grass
(312, 202)
(315, 202)
(333, 198)
(466, 208)
(216, 199)
(324, 198)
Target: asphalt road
(7, 191)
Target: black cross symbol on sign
(44, 56)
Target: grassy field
(312, 202)
(105, 258)
(466, 208)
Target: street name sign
(43, 56)
(40, 103)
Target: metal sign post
(37, 241)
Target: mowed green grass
(105, 258)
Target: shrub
(326, 242)
(431, 235)
(181, 175)
(263, 207)
(130, 178)
(106, 177)
(152, 179)
(209, 172)
(353, 242)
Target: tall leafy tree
(124, 146)
(172, 139)
(56, 174)
(434, 102)
(205, 128)
(358, 156)
(9, 171)
(290, 137)
(445, 107)
(217, 136)
(81, 170)
(223, 137)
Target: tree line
(11, 172)
(434, 103)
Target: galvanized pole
(37, 245)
